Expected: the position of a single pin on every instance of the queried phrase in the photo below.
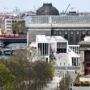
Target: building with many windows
(72, 27)
(57, 48)
(8, 25)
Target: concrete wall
(31, 36)
(82, 61)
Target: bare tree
(65, 82)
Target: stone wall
(82, 61)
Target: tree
(65, 82)
(6, 77)
(31, 73)
(19, 27)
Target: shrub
(77, 83)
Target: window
(59, 32)
(8, 21)
(66, 32)
(74, 62)
(77, 32)
(43, 49)
(71, 32)
(71, 39)
(66, 36)
(83, 33)
(77, 38)
(61, 47)
(54, 32)
(82, 36)
(88, 32)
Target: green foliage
(16, 66)
(77, 81)
(53, 62)
(6, 77)
(50, 70)
(3, 61)
(19, 27)
(25, 74)
(21, 22)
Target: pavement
(53, 84)
(81, 88)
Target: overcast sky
(61, 5)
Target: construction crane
(67, 8)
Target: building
(85, 56)
(8, 25)
(73, 27)
(75, 48)
(47, 9)
(5, 15)
(57, 48)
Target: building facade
(56, 48)
(72, 27)
(8, 25)
(85, 56)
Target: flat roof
(84, 43)
(46, 39)
(58, 19)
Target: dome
(47, 9)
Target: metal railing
(68, 67)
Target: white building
(56, 47)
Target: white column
(48, 48)
(76, 61)
(42, 49)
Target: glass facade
(75, 48)
(43, 49)
(75, 61)
(83, 19)
(61, 47)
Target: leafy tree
(19, 27)
(6, 77)
(31, 73)
(3, 61)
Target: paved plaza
(81, 88)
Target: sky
(61, 5)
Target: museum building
(73, 27)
